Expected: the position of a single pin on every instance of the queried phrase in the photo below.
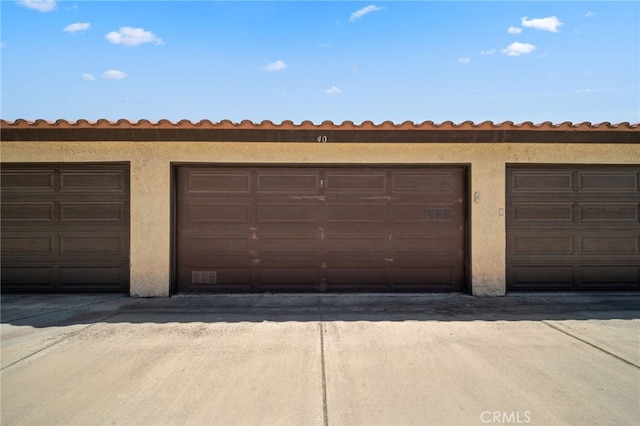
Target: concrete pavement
(321, 360)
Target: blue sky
(329, 60)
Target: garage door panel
(356, 245)
(82, 244)
(364, 212)
(286, 212)
(233, 276)
(27, 276)
(420, 182)
(595, 233)
(609, 212)
(93, 212)
(540, 244)
(277, 260)
(439, 260)
(287, 288)
(287, 245)
(542, 212)
(429, 245)
(28, 212)
(595, 182)
(353, 228)
(429, 229)
(93, 181)
(22, 181)
(228, 229)
(618, 275)
(294, 182)
(357, 275)
(208, 181)
(543, 275)
(341, 181)
(209, 261)
(318, 229)
(216, 244)
(531, 181)
(199, 212)
(38, 244)
(89, 276)
(438, 276)
(281, 229)
(287, 275)
(610, 245)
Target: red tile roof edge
(325, 125)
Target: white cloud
(39, 5)
(333, 90)
(545, 24)
(113, 75)
(517, 49)
(274, 66)
(589, 14)
(361, 12)
(514, 30)
(129, 36)
(464, 61)
(488, 52)
(78, 26)
(88, 77)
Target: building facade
(153, 209)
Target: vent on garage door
(573, 227)
(317, 229)
(65, 227)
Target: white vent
(203, 277)
(438, 214)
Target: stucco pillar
(488, 234)
(150, 225)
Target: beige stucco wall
(151, 186)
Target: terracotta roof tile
(308, 125)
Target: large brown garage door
(65, 227)
(317, 229)
(573, 227)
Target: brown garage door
(573, 227)
(317, 229)
(65, 228)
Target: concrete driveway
(321, 360)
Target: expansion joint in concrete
(64, 337)
(55, 342)
(565, 332)
(324, 377)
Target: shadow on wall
(46, 310)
